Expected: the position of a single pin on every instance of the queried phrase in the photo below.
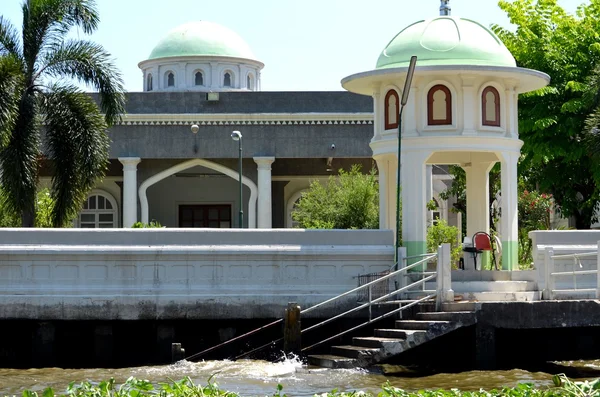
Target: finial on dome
(445, 8)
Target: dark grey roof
(249, 102)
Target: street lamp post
(237, 136)
(405, 92)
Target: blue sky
(305, 45)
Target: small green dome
(446, 41)
(202, 38)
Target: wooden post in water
(177, 353)
(292, 337)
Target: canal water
(260, 378)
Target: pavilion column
(387, 168)
(414, 202)
(478, 198)
(509, 211)
(129, 189)
(265, 215)
(429, 191)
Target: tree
(348, 202)
(43, 216)
(39, 106)
(551, 120)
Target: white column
(429, 192)
(478, 199)
(265, 216)
(129, 189)
(510, 221)
(414, 219)
(387, 168)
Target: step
(351, 351)
(332, 361)
(420, 324)
(396, 333)
(489, 286)
(374, 341)
(447, 316)
(460, 306)
(527, 296)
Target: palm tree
(45, 116)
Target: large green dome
(202, 38)
(446, 41)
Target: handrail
(583, 255)
(364, 305)
(422, 281)
(388, 314)
(382, 278)
(233, 339)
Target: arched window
(439, 105)
(250, 82)
(227, 79)
(170, 79)
(149, 82)
(199, 79)
(490, 107)
(392, 108)
(99, 211)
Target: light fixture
(212, 96)
(195, 128)
(407, 83)
(237, 136)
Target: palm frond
(11, 85)
(91, 64)
(9, 39)
(77, 145)
(47, 22)
(19, 162)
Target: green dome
(446, 41)
(202, 38)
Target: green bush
(441, 233)
(141, 225)
(350, 201)
(43, 214)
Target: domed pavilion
(461, 109)
(201, 56)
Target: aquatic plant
(133, 387)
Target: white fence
(572, 276)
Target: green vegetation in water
(133, 387)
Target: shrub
(441, 233)
(350, 201)
(141, 225)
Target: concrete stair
(489, 291)
(386, 343)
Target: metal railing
(551, 292)
(442, 274)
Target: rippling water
(260, 378)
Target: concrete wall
(565, 242)
(71, 274)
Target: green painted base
(485, 259)
(415, 248)
(510, 255)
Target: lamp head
(236, 135)
(195, 128)
(408, 81)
